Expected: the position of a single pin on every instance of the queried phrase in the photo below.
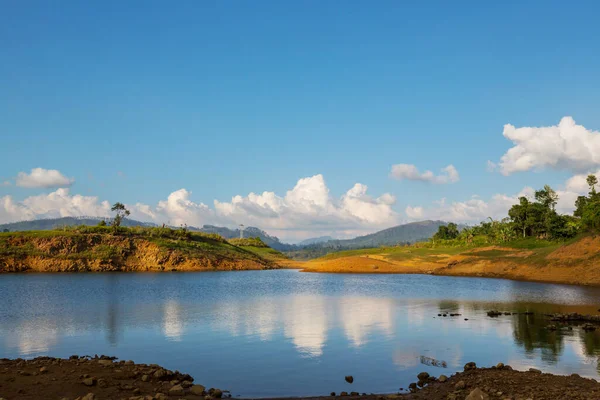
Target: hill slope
(576, 261)
(130, 249)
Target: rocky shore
(99, 378)
(95, 378)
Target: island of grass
(104, 248)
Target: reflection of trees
(449, 306)
(112, 317)
(530, 332)
(591, 344)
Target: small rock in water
(349, 378)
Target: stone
(217, 393)
(102, 383)
(344, 394)
(477, 394)
(137, 391)
(423, 376)
(349, 378)
(89, 381)
(43, 370)
(176, 390)
(160, 374)
(535, 370)
(470, 365)
(105, 362)
(186, 384)
(197, 390)
(145, 378)
(160, 396)
(443, 378)
(500, 365)
(89, 396)
(332, 394)
(460, 385)
(354, 394)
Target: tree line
(535, 218)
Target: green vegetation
(530, 224)
(253, 242)
(120, 213)
(85, 243)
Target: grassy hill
(127, 249)
(575, 261)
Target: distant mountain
(320, 239)
(272, 241)
(57, 223)
(407, 233)
(401, 234)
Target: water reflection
(314, 326)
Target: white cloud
(564, 146)
(475, 209)
(43, 178)
(5, 183)
(304, 211)
(412, 173)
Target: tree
(447, 232)
(121, 213)
(592, 181)
(547, 197)
(580, 205)
(518, 214)
(102, 223)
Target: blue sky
(136, 100)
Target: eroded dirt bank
(577, 263)
(99, 252)
(99, 378)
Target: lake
(287, 333)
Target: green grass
(265, 252)
(188, 244)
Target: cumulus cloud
(309, 207)
(410, 172)
(564, 146)
(43, 178)
(475, 209)
(306, 209)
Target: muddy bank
(66, 252)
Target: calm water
(269, 333)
